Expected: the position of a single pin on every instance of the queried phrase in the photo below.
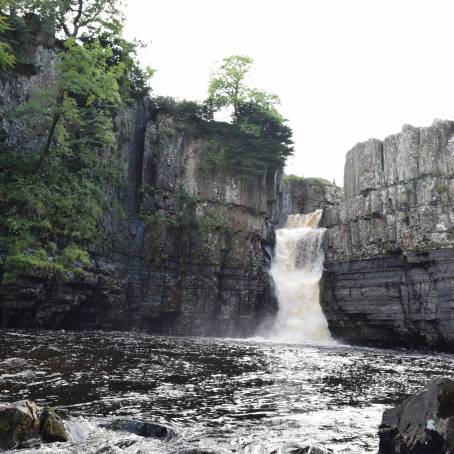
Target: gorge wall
(304, 195)
(185, 246)
(389, 244)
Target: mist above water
(296, 270)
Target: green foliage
(133, 79)
(86, 22)
(79, 18)
(73, 255)
(169, 132)
(259, 139)
(311, 181)
(187, 205)
(45, 206)
(441, 188)
(32, 262)
(292, 177)
(227, 84)
(210, 223)
(255, 143)
(213, 158)
(7, 58)
(52, 197)
(184, 110)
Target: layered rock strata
(305, 195)
(389, 245)
(185, 246)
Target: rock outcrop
(19, 423)
(51, 426)
(422, 424)
(185, 246)
(389, 268)
(304, 195)
(22, 426)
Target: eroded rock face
(185, 248)
(304, 195)
(389, 244)
(422, 424)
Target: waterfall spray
(296, 270)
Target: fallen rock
(422, 424)
(19, 423)
(52, 427)
(142, 428)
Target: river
(217, 395)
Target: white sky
(345, 70)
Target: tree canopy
(228, 86)
(259, 137)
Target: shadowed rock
(19, 423)
(52, 427)
(422, 424)
(141, 428)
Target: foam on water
(296, 270)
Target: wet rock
(141, 428)
(19, 424)
(196, 451)
(52, 427)
(310, 450)
(422, 424)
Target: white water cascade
(296, 270)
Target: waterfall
(296, 270)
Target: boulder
(310, 450)
(19, 423)
(422, 424)
(52, 427)
(142, 428)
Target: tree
(52, 187)
(228, 88)
(7, 58)
(77, 18)
(258, 138)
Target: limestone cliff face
(184, 248)
(389, 244)
(304, 195)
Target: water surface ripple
(221, 396)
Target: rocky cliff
(304, 195)
(184, 246)
(389, 268)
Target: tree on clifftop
(261, 137)
(228, 88)
(81, 18)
